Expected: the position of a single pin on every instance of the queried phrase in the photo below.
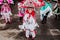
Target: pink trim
(10, 1)
(1, 1)
(20, 14)
(3, 8)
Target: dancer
(21, 12)
(56, 9)
(30, 23)
(6, 12)
(46, 11)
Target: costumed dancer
(46, 11)
(6, 12)
(30, 24)
(21, 12)
(56, 9)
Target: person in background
(6, 12)
(46, 11)
(21, 12)
(56, 9)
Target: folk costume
(45, 11)
(56, 9)
(30, 24)
(6, 12)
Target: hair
(32, 13)
(58, 1)
(4, 1)
(20, 0)
(55, 1)
(48, 0)
(30, 7)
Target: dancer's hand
(38, 26)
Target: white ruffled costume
(6, 12)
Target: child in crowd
(29, 22)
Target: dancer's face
(5, 4)
(30, 10)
